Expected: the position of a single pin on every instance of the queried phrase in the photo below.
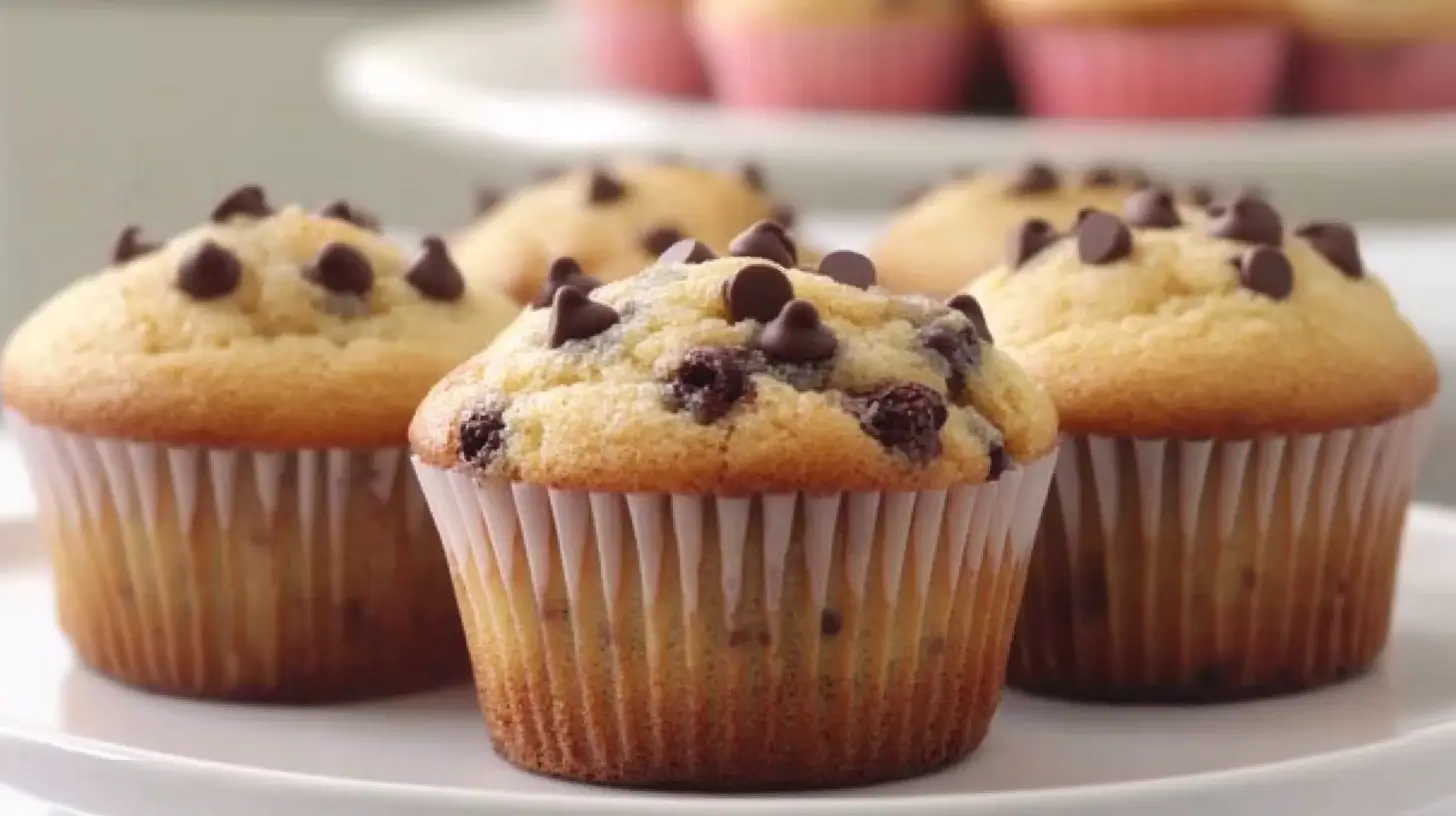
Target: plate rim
(1437, 520)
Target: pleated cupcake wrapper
(757, 641)
(889, 68)
(1405, 77)
(640, 45)
(1204, 570)
(242, 574)
(1147, 73)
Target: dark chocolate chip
(830, 623)
(708, 383)
(604, 188)
(248, 200)
(971, 308)
(1102, 175)
(687, 251)
(209, 271)
(1337, 242)
(757, 292)
(1248, 218)
(482, 435)
(797, 335)
(434, 274)
(905, 417)
(848, 268)
(1152, 208)
(563, 272)
(754, 176)
(487, 199)
(997, 454)
(660, 239)
(1034, 177)
(915, 194)
(766, 240)
(959, 346)
(342, 269)
(1102, 238)
(1201, 195)
(1267, 271)
(785, 216)
(130, 246)
(344, 211)
(1027, 240)
(574, 316)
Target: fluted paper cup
(642, 45)
(304, 576)
(737, 642)
(1395, 78)
(1178, 570)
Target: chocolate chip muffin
(610, 220)
(216, 429)
(1226, 515)
(732, 524)
(949, 233)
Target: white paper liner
(767, 640)
(312, 574)
(1191, 570)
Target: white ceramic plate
(508, 76)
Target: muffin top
(1135, 12)
(1160, 322)
(261, 329)
(1364, 22)
(838, 12)
(948, 234)
(739, 374)
(612, 220)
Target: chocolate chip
(687, 251)
(563, 272)
(1102, 175)
(209, 271)
(1152, 208)
(574, 316)
(997, 456)
(797, 335)
(754, 176)
(604, 188)
(344, 211)
(342, 269)
(434, 274)
(958, 345)
(1201, 195)
(1034, 177)
(766, 240)
(129, 246)
(660, 239)
(1337, 242)
(905, 417)
(830, 623)
(1267, 271)
(848, 268)
(487, 199)
(248, 200)
(1102, 238)
(1028, 240)
(971, 308)
(708, 383)
(915, 194)
(757, 292)
(1248, 218)
(785, 216)
(482, 435)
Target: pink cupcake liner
(1338, 78)
(642, 45)
(895, 68)
(1163, 73)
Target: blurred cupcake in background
(1362, 57)
(641, 45)
(909, 55)
(1145, 59)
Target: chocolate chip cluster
(1038, 177)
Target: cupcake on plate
(947, 234)
(642, 45)
(1358, 57)
(914, 55)
(216, 430)
(729, 524)
(608, 220)
(1135, 59)
(1245, 411)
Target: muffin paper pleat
(1400, 77)
(1203, 570)
(756, 641)
(641, 46)
(286, 576)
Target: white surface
(510, 75)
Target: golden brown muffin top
(1137, 12)
(839, 12)
(260, 329)
(1362, 22)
